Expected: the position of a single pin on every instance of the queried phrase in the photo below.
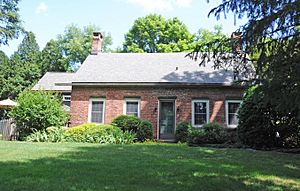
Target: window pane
(233, 107)
(97, 112)
(96, 117)
(200, 119)
(200, 107)
(97, 106)
(232, 119)
(132, 108)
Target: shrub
(182, 131)
(51, 134)
(144, 131)
(127, 122)
(93, 133)
(262, 126)
(37, 110)
(196, 136)
(211, 133)
(142, 128)
(86, 133)
(215, 133)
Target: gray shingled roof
(55, 81)
(148, 68)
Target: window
(232, 107)
(132, 107)
(66, 99)
(200, 112)
(96, 110)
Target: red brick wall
(114, 100)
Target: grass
(70, 166)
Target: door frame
(158, 115)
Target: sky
(48, 18)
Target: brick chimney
(97, 43)
(236, 39)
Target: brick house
(164, 88)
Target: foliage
(144, 131)
(10, 21)
(210, 133)
(76, 43)
(51, 134)
(142, 128)
(272, 38)
(182, 131)
(22, 70)
(103, 134)
(52, 58)
(127, 122)
(38, 110)
(153, 33)
(86, 133)
(204, 37)
(260, 126)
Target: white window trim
(90, 109)
(131, 100)
(193, 109)
(227, 112)
(66, 96)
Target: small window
(66, 99)
(96, 110)
(132, 107)
(232, 107)
(200, 112)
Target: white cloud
(160, 5)
(41, 9)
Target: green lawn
(69, 166)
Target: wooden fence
(7, 129)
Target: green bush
(182, 131)
(51, 134)
(215, 133)
(127, 122)
(37, 110)
(144, 131)
(86, 133)
(210, 133)
(93, 133)
(261, 125)
(142, 128)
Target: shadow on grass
(150, 167)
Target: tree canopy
(76, 43)
(22, 70)
(272, 34)
(153, 33)
(271, 40)
(10, 26)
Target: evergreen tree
(23, 69)
(10, 21)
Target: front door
(167, 120)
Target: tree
(272, 36)
(153, 33)
(10, 21)
(52, 58)
(23, 68)
(76, 43)
(38, 110)
(204, 37)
